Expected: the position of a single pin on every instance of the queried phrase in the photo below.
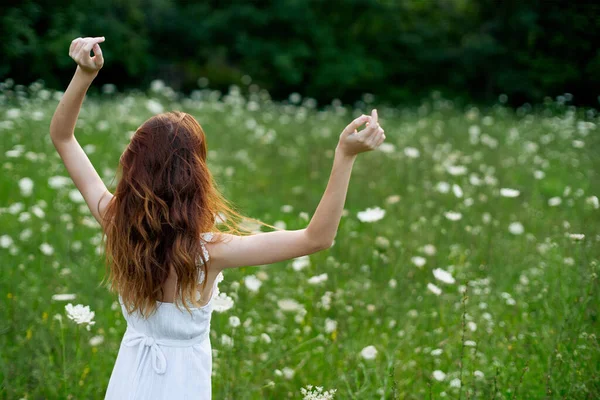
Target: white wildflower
(46, 249)
(411, 152)
(455, 383)
(506, 192)
(453, 216)
(57, 182)
(371, 214)
(457, 190)
(330, 325)
(317, 279)
(369, 352)
(252, 283)
(234, 321)
(300, 263)
(26, 186)
(80, 314)
(456, 170)
(226, 340)
(554, 201)
(443, 276)
(434, 289)
(289, 305)
(516, 228)
(63, 297)
(439, 375)
(222, 302)
(96, 340)
(418, 261)
(6, 241)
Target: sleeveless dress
(168, 355)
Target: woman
(162, 250)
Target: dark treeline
(400, 50)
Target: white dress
(167, 356)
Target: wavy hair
(164, 200)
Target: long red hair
(164, 200)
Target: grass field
(479, 280)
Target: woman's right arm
(271, 247)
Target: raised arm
(62, 127)
(271, 247)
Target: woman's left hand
(80, 52)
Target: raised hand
(352, 142)
(80, 52)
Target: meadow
(465, 265)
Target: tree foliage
(399, 50)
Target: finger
(73, 44)
(78, 45)
(91, 42)
(381, 139)
(98, 58)
(374, 117)
(373, 139)
(354, 125)
(371, 131)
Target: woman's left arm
(62, 127)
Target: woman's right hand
(352, 142)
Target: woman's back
(167, 355)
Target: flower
(288, 373)
(456, 169)
(56, 182)
(436, 352)
(252, 283)
(457, 190)
(6, 241)
(63, 297)
(411, 152)
(222, 302)
(453, 216)
(368, 353)
(154, 106)
(371, 214)
(442, 187)
(455, 383)
(80, 314)
(434, 289)
(516, 228)
(26, 186)
(593, 201)
(439, 375)
(76, 196)
(418, 261)
(506, 192)
(289, 305)
(317, 394)
(317, 279)
(443, 276)
(96, 340)
(330, 325)
(554, 201)
(46, 249)
(300, 263)
(382, 242)
(577, 236)
(226, 340)
(234, 321)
